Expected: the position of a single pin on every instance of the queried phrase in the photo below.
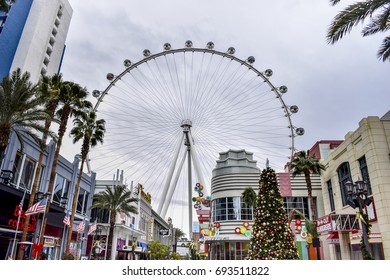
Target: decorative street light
(357, 198)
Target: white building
(235, 171)
(32, 37)
(134, 230)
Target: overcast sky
(335, 86)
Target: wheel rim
(230, 104)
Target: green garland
(366, 254)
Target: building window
(344, 175)
(330, 193)
(82, 201)
(229, 251)
(143, 223)
(246, 212)
(23, 171)
(233, 208)
(364, 172)
(299, 203)
(61, 189)
(101, 215)
(230, 208)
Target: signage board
(164, 231)
(324, 224)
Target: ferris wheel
(169, 115)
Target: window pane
(330, 193)
(80, 201)
(66, 189)
(85, 202)
(58, 187)
(16, 168)
(26, 172)
(364, 172)
(344, 176)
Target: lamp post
(357, 198)
(133, 246)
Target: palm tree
(5, 5)
(73, 99)
(20, 110)
(49, 90)
(306, 165)
(378, 12)
(249, 197)
(91, 130)
(114, 199)
(178, 234)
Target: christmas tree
(272, 238)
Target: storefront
(10, 221)
(230, 247)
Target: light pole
(357, 198)
(133, 246)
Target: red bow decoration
(36, 250)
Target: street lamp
(6, 176)
(357, 198)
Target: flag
(81, 227)
(37, 208)
(20, 207)
(92, 228)
(66, 220)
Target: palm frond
(384, 50)
(345, 20)
(379, 23)
(334, 2)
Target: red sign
(13, 222)
(324, 224)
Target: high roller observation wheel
(197, 99)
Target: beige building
(364, 155)
(235, 171)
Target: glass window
(58, 188)
(82, 201)
(101, 215)
(364, 172)
(344, 175)
(23, 171)
(299, 203)
(85, 202)
(330, 194)
(66, 190)
(230, 208)
(246, 212)
(233, 208)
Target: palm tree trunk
(61, 133)
(74, 204)
(32, 198)
(310, 195)
(111, 234)
(36, 179)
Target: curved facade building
(231, 218)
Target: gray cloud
(335, 86)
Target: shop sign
(211, 238)
(13, 222)
(49, 242)
(324, 224)
(164, 231)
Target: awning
(333, 238)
